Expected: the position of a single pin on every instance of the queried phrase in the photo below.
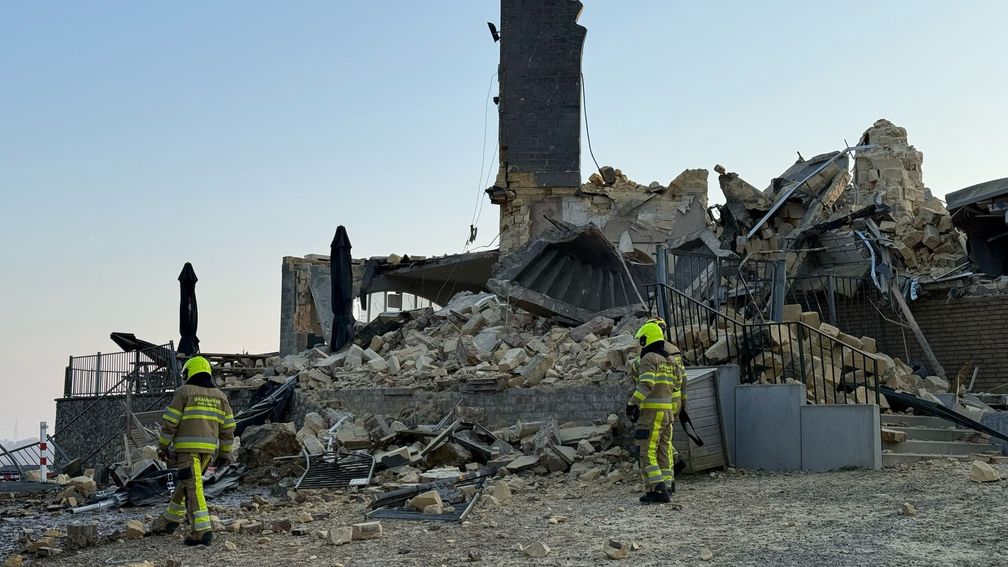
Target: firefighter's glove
(632, 412)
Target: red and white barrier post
(43, 449)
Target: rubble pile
(475, 338)
(691, 183)
(829, 365)
(921, 227)
(419, 453)
(887, 190)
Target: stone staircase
(931, 438)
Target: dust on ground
(835, 519)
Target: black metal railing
(150, 370)
(833, 367)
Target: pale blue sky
(137, 136)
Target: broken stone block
(599, 326)
(792, 313)
(312, 444)
(726, 347)
(893, 435)
(354, 357)
(500, 490)
(584, 448)
(369, 354)
(615, 549)
(535, 369)
(983, 472)
(931, 237)
(84, 485)
(367, 530)
(423, 500)
(473, 325)
(377, 364)
(936, 384)
(513, 358)
(466, 351)
(315, 422)
(522, 463)
(340, 536)
(353, 436)
(829, 330)
(135, 529)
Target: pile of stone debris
(476, 339)
(411, 454)
(817, 205)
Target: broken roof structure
(981, 211)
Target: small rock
(230, 546)
(367, 530)
(305, 517)
(908, 509)
(135, 529)
(264, 541)
(340, 536)
(706, 554)
(983, 472)
(13, 561)
(615, 549)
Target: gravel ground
(837, 519)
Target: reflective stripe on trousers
(653, 436)
(188, 500)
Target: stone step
(933, 433)
(941, 448)
(915, 421)
(890, 459)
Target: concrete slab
(768, 426)
(840, 436)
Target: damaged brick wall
(104, 418)
(539, 111)
(960, 331)
(540, 91)
(299, 325)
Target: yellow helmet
(650, 333)
(195, 365)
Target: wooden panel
(703, 409)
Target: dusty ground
(832, 519)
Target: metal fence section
(752, 286)
(150, 370)
(768, 352)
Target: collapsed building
(839, 297)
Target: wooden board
(702, 405)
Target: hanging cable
(584, 106)
(477, 206)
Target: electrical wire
(479, 180)
(584, 106)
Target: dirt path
(761, 519)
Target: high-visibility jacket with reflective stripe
(198, 420)
(661, 381)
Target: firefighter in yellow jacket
(660, 392)
(197, 424)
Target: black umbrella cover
(189, 343)
(341, 278)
